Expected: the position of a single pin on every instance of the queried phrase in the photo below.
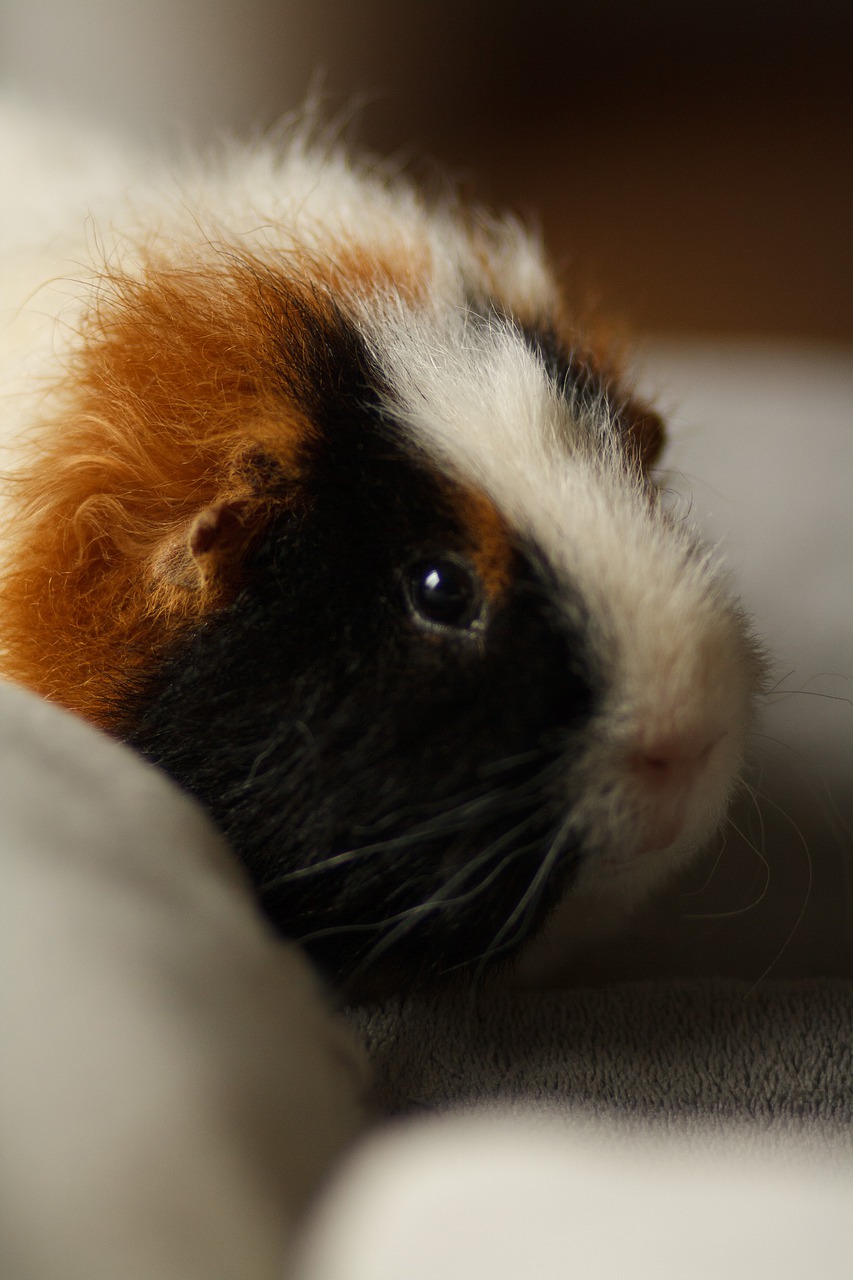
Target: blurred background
(689, 163)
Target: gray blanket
(665, 1054)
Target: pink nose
(671, 764)
(668, 771)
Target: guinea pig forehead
(482, 401)
(478, 389)
(474, 395)
(474, 378)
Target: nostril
(671, 762)
(669, 771)
(653, 769)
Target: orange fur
(360, 271)
(170, 406)
(491, 551)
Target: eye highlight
(444, 593)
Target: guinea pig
(333, 508)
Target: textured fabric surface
(665, 1054)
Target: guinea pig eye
(444, 593)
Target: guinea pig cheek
(668, 760)
(672, 777)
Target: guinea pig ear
(644, 431)
(211, 549)
(217, 539)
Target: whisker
(751, 906)
(762, 834)
(521, 913)
(271, 746)
(466, 808)
(777, 694)
(815, 778)
(806, 896)
(438, 901)
(404, 841)
(439, 898)
(510, 762)
(696, 893)
(409, 916)
(476, 793)
(838, 828)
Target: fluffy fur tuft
(174, 401)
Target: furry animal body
(329, 506)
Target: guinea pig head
(375, 569)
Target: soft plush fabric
(673, 1056)
(171, 1085)
(492, 1197)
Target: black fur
(571, 371)
(396, 790)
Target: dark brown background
(694, 162)
(689, 162)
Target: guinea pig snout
(671, 762)
(669, 773)
(680, 713)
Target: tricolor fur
(300, 415)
